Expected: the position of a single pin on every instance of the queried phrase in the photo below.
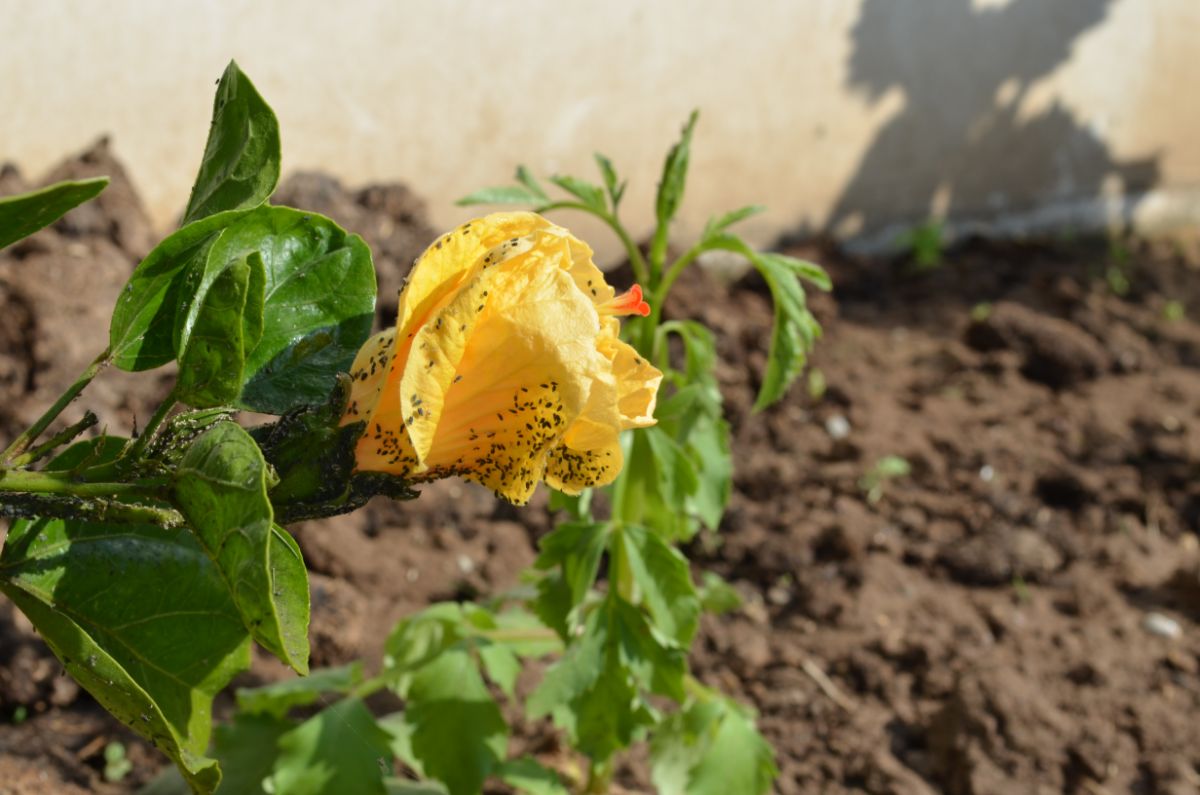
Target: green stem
(677, 267)
(156, 419)
(30, 435)
(600, 774)
(24, 482)
(56, 441)
(93, 509)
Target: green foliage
(221, 489)
(925, 245)
(149, 565)
(875, 481)
(116, 764)
(26, 213)
(137, 614)
(628, 640)
(711, 748)
(240, 167)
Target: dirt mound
(1018, 614)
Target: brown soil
(985, 626)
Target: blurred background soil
(1018, 614)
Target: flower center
(627, 303)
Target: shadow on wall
(961, 148)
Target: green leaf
(527, 776)
(140, 618)
(615, 188)
(339, 750)
(578, 506)
(663, 580)
(659, 480)
(138, 615)
(576, 547)
(589, 194)
(141, 333)
(711, 748)
(400, 786)
(525, 178)
(502, 194)
(502, 666)
(278, 698)
(228, 324)
(418, 640)
(26, 213)
(241, 160)
(716, 595)
(318, 305)
(795, 330)
(594, 691)
(457, 731)
(674, 175)
(809, 271)
(221, 489)
(720, 223)
(247, 749)
(707, 444)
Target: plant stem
(599, 777)
(57, 440)
(24, 482)
(156, 419)
(30, 434)
(677, 267)
(94, 509)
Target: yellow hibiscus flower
(504, 367)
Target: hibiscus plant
(151, 564)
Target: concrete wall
(842, 115)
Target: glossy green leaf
(26, 213)
(140, 618)
(228, 320)
(674, 175)
(586, 192)
(241, 160)
(338, 751)
(138, 615)
(141, 333)
(457, 731)
(278, 698)
(711, 748)
(318, 304)
(663, 580)
(221, 488)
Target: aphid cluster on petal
(504, 366)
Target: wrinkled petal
(505, 367)
(637, 383)
(449, 261)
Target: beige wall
(852, 114)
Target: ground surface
(1020, 614)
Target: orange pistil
(627, 303)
